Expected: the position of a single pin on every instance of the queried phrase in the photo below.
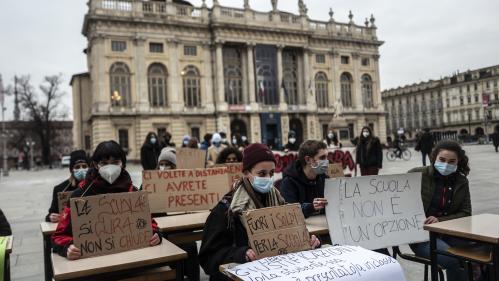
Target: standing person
(229, 155)
(445, 194)
(225, 142)
(167, 140)
(149, 152)
(303, 181)
(291, 145)
(369, 153)
(225, 239)
(206, 141)
(215, 148)
(185, 140)
(107, 175)
(425, 144)
(495, 139)
(78, 168)
(332, 141)
(5, 229)
(245, 142)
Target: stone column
(309, 85)
(141, 93)
(251, 76)
(175, 89)
(282, 100)
(377, 102)
(208, 89)
(255, 129)
(221, 103)
(356, 89)
(285, 128)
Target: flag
(261, 89)
(2, 93)
(283, 86)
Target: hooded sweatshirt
(297, 188)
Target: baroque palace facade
(169, 66)
(463, 104)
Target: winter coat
(54, 207)
(291, 146)
(495, 138)
(4, 225)
(369, 156)
(297, 188)
(149, 154)
(426, 143)
(460, 205)
(92, 185)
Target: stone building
(463, 104)
(169, 66)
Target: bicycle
(405, 154)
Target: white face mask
(365, 134)
(292, 140)
(164, 167)
(234, 141)
(244, 138)
(331, 136)
(110, 172)
(153, 140)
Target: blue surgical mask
(445, 169)
(263, 185)
(80, 174)
(153, 140)
(321, 167)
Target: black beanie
(75, 156)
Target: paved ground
(25, 197)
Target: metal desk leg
(47, 262)
(179, 271)
(433, 256)
(7, 267)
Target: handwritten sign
(375, 211)
(185, 190)
(111, 223)
(346, 263)
(63, 200)
(190, 158)
(341, 156)
(234, 171)
(335, 170)
(277, 230)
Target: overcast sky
(424, 39)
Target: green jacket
(461, 204)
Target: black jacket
(4, 225)
(426, 143)
(54, 207)
(149, 154)
(292, 146)
(495, 138)
(369, 157)
(297, 188)
(221, 244)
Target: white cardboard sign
(375, 212)
(345, 263)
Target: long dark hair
(222, 157)
(108, 149)
(463, 161)
(370, 139)
(147, 141)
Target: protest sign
(335, 170)
(346, 263)
(341, 156)
(111, 223)
(276, 230)
(63, 200)
(185, 190)
(375, 211)
(190, 158)
(234, 171)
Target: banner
(344, 263)
(111, 223)
(185, 190)
(341, 156)
(276, 230)
(375, 211)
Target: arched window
(192, 90)
(367, 91)
(157, 76)
(321, 90)
(346, 89)
(120, 84)
(233, 76)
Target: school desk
(47, 228)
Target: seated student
(229, 155)
(225, 239)
(4, 225)
(78, 166)
(107, 175)
(303, 181)
(167, 159)
(446, 195)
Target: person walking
(150, 151)
(425, 144)
(495, 139)
(369, 153)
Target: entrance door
(271, 130)
(272, 136)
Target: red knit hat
(256, 153)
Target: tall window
(266, 69)
(367, 91)
(157, 76)
(192, 90)
(120, 84)
(321, 90)
(123, 139)
(290, 77)
(346, 89)
(233, 76)
(118, 46)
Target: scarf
(245, 198)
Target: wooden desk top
(317, 225)
(165, 252)
(186, 222)
(48, 228)
(484, 228)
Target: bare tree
(42, 112)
